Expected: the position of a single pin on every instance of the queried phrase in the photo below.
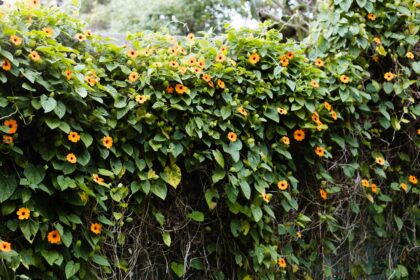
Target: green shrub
(236, 157)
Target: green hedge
(231, 158)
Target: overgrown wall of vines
(236, 157)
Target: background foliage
(177, 194)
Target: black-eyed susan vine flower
(323, 194)
(23, 213)
(71, 158)
(5, 246)
(232, 136)
(282, 185)
(254, 58)
(281, 262)
(73, 137)
(12, 125)
(6, 65)
(54, 237)
(96, 228)
(107, 142)
(319, 62)
(344, 79)
(16, 40)
(7, 139)
(299, 135)
(389, 76)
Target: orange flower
(319, 151)
(6, 65)
(409, 55)
(91, 80)
(96, 228)
(327, 106)
(48, 31)
(173, 64)
(206, 77)
(371, 17)
(220, 83)
(197, 70)
(34, 56)
(141, 98)
(68, 74)
(314, 84)
(79, 36)
(254, 58)
(333, 115)
(413, 179)
(71, 158)
(375, 57)
(404, 186)
(88, 33)
(133, 77)
(232, 136)
(380, 160)
(281, 111)
(180, 88)
(282, 185)
(220, 57)
(12, 125)
(374, 188)
(17, 41)
(242, 111)
(285, 140)
(107, 142)
(266, 197)
(74, 137)
(170, 89)
(54, 237)
(290, 55)
(97, 179)
(315, 117)
(365, 183)
(192, 61)
(282, 263)
(344, 79)
(299, 135)
(389, 76)
(323, 194)
(132, 53)
(7, 139)
(23, 213)
(284, 61)
(211, 84)
(201, 63)
(173, 50)
(319, 62)
(377, 40)
(5, 246)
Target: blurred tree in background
(184, 16)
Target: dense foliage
(231, 158)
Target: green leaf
(48, 103)
(100, 260)
(8, 186)
(246, 189)
(172, 175)
(196, 216)
(34, 174)
(159, 189)
(398, 222)
(86, 139)
(71, 269)
(167, 238)
(256, 212)
(178, 268)
(52, 257)
(218, 156)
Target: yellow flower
(266, 197)
(97, 179)
(404, 186)
(371, 17)
(180, 88)
(34, 56)
(5, 246)
(413, 179)
(133, 77)
(107, 142)
(190, 36)
(380, 160)
(314, 84)
(282, 263)
(74, 137)
(365, 183)
(96, 228)
(141, 98)
(319, 62)
(23, 213)
(254, 58)
(409, 55)
(232, 136)
(344, 79)
(68, 74)
(285, 140)
(48, 31)
(220, 57)
(282, 185)
(80, 37)
(284, 61)
(16, 40)
(132, 53)
(71, 158)
(220, 83)
(319, 151)
(377, 40)
(242, 111)
(281, 111)
(389, 76)
(327, 106)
